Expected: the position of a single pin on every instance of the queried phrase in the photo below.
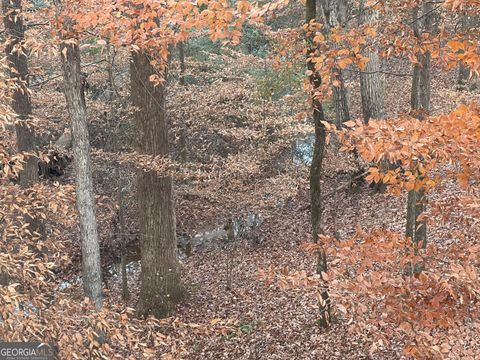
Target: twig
(29, 25)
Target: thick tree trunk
(160, 288)
(75, 97)
(21, 104)
(371, 82)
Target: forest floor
(262, 321)
(253, 319)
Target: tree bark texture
(183, 67)
(21, 103)
(316, 166)
(468, 23)
(371, 82)
(411, 201)
(342, 113)
(161, 287)
(75, 97)
(420, 105)
(320, 133)
(334, 14)
(421, 82)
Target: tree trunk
(421, 82)
(123, 236)
(183, 68)
(21, 104)
(463, 75)
(421, 86)
(417, 67)
(463, 71)
(414, 98)
(467, 23)
(425, 83)
(420, 225)
(426, 70)
(160, 287)
(75, 97)
(316, 166)
(320, 133)
(420, 104)
(411, 201)
(334, 13)
(371, 83)
(342, 113)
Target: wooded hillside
(240, 179)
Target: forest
(240, 179)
